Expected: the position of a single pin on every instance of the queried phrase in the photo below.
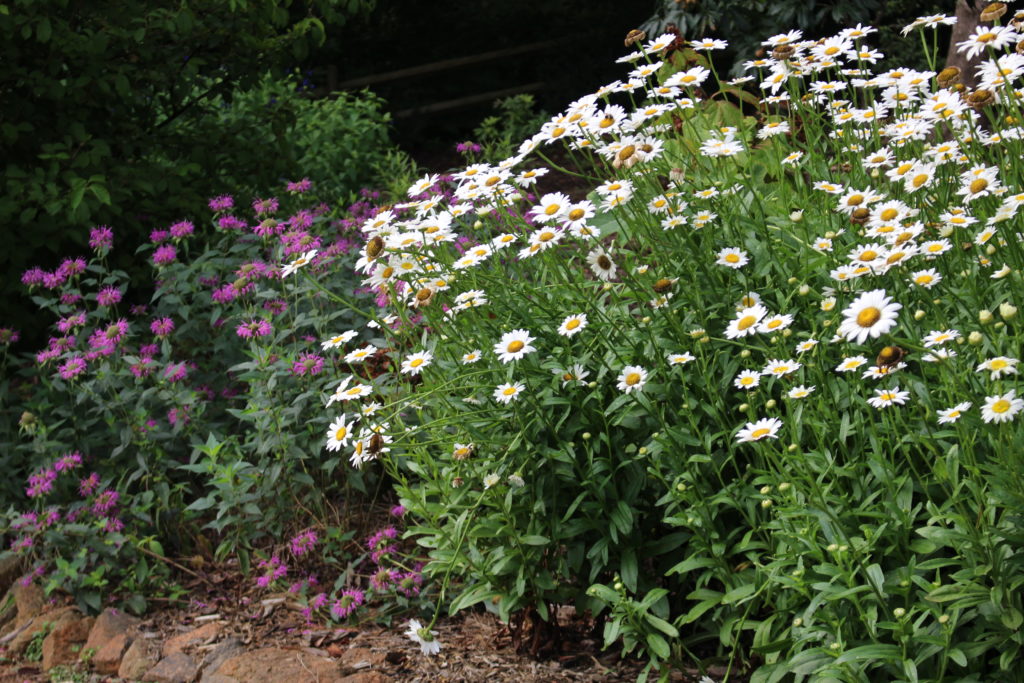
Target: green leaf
(657, 645)
(662, 625)
(44, 30)
(534, 539)
(882, 653)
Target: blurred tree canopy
(104, 107)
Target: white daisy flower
(573, 324)
(1001, 408)
(872, 314)
(415, 363)
(508, 392)
(514, 345)
(765, 428)
(632, 378)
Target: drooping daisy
(632, 378)
(746, 321)
(807, 345)
(514, 345)
(880, 371)
(424, 637)
(775, 323)
(303, 260)
(680, 358)
(999, 366)
(887, 397)
(1001, 408)
(338, 340)
(415, 363)
(765, 428)
(781, 368)
(576, 374)
(852, 363)
(936, 337)
(573, 324)
(927, 278)
(872, 314)
(747, 380)
(462, 451)
(508, 392)
(951, 415)
(360, 354)
(800, 392)
(939, 355)
(346, 393)
(339, 433)
(732, 258)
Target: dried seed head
(783, 52)
(993, 11)
(634, 36)
(860, 216)
(948, 76)
(980, 98)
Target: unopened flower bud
(766, 503)
(804, 290)
(985, 317)
(974, 338)
(792, 448)
(586, 435)
(765, 490)
(1007, 311)
(946, 231)
(899, 612)
(770, 404)
(744, 407)
(943, 618)
(796, 216)
(745, 353)
(919, 314)
(791, 281)
(784, 486)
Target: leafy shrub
(140, 424)
(754, 396)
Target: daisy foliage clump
(623, 360)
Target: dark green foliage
(104, 113)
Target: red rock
(194, 637)
(107, 660)
(177, 668)
(64, 644)
(29, 600)
(36, 624)
(141, 656)
(109, 624)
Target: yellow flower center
(572, 324)
(606, 121)
(416, 362)
(546, 236)
(567, 377)
(509, 391)
(997, 364)
(924, 279)
(576, 214)
(516, 346)
(934, 247)
(986, 37)
(855, 200)
(1000, 406)
(632, 379)
(978, 185)
(340, 433)
(869, 316)
(492, 181)
(557, 132)
(387, 272)
(760, 433)
(919, 180)
(626, 152)
(831, 50)
(552, 209)
(732, 258)
(889, 214)
(746, 322)
(868, 255)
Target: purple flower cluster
(254, 328)
(222, 203)
(101, 238)
(165, 254)
(161, 327)
(273, 569)
(308, 364)
(303, 543)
